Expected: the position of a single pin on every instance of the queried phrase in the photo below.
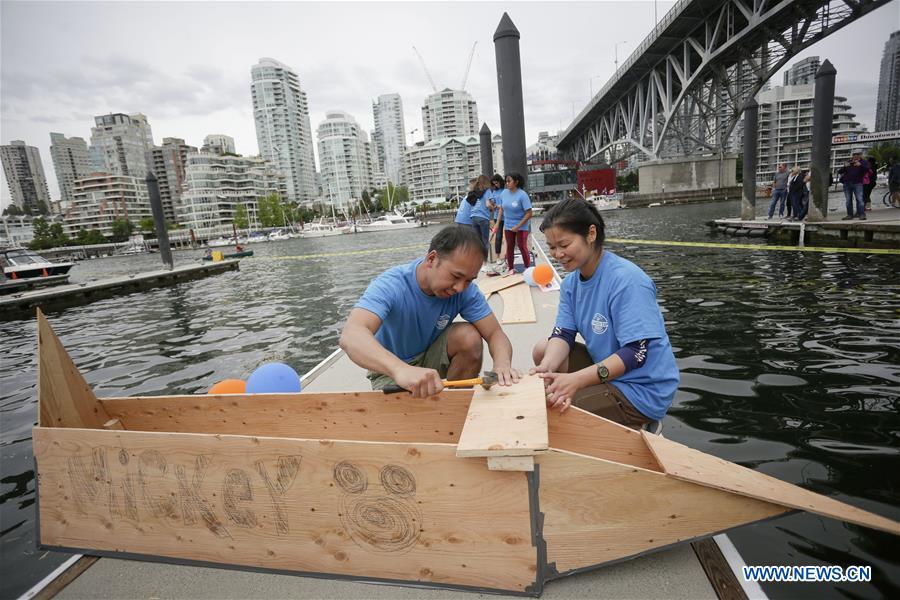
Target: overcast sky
(187, 65)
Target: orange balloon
(542, 274)
(229, 386)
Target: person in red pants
(515, 214)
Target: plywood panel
(489, 285)
(691, 465)
(596, 512)
(579, 431)
(393, 511)
(362, 416)
(506, 420)
(518, 306)
(64, 397)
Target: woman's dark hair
(577, 216)
(457, 237)
(498, 179)
(520, 181)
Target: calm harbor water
(790, 365)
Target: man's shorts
(435, 357)
(603, 399)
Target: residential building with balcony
(121, 145)
(389, 136)
(25, 177)
(442, 168)
(101, 198)
(346, 159)
(449, 113)
(70, 161)
(169, 166)
(887, 107)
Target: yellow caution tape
(348, 253)
(894, 251)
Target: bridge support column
(487, 154)
(159, 219)
(748, 198)
(820, 156)
(509, 90)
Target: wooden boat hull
(379, 487)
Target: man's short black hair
(457, 237)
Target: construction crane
(424, 68)
(465, 78)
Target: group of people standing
(500, 207)
(790, 188)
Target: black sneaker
(862, 217)
(847, 218)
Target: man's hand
(560, 388)
(421, 382)
(507, 375)
(541, 368)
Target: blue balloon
(273, 378)
(528, 274)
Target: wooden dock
(881, 227)
(22, 304)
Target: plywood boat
(481, 490)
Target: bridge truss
(683, 90)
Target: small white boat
(388, 222)
(320, 229)
(220, 242)
(277, 236)
(21, 263)
(605, 201)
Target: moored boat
(388, 222)
(24, 264)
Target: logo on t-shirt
(599, 324)
(442, 322)
(515, 204)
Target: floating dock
(881, 228)
(23, 304)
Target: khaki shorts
(435, 357)
(604, 399)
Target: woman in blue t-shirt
(515, 212)
(464, 212)
(625, 371)
(481, 210)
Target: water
(790, 365)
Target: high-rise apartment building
(70, 161)
(283, 132)
(802, 72)
(218, 143)
(442, 168)
(121, 145)
(785, 129)
(101, 198)
(169, 166)
(345, 158)
(217, 185)
(389, 136)
(887, 107)
(449, 113)
(25, 177)
(497, 153)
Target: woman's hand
(560, 388)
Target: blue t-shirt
(514, 207)
(464, 212)
(616, 306)
(410, 319)
(480, 209)
(495, 197)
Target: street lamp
(616, 50)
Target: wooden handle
(463, 382)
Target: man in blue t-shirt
(402, 328)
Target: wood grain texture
(581, 432)
(506, 421)
(64, 397)
(518, 307)
(411, 512)
(361, 416)
(489, 285)
(692, 465)
(597, 511)
(718, 571)
(510, 463)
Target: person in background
(894, 182)
(515, 212)
(869, 182)
(779, 191)
(854, 174)
(806, 196)
(481, 212)
(497, 225)
(795, 187)
(625, 371)
(464, 212)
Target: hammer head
(488, 378)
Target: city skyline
(64, 64)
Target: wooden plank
(362, 416)
(597, 511)
(506, 420)
(64, 397)
(113, 424)
(510, 463)
(518, 307)
(579, 431)
(718, 571)
(691, 465)
(411, 512)
(489, 285)
(65, 578)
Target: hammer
(487, 379)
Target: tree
(47, 235)
(271, 211)
(121, 230)
(86, 237)
(885, 153)
(13, 211)
(391, 195)
(240, 217)
(627, 183)
(147, 225)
